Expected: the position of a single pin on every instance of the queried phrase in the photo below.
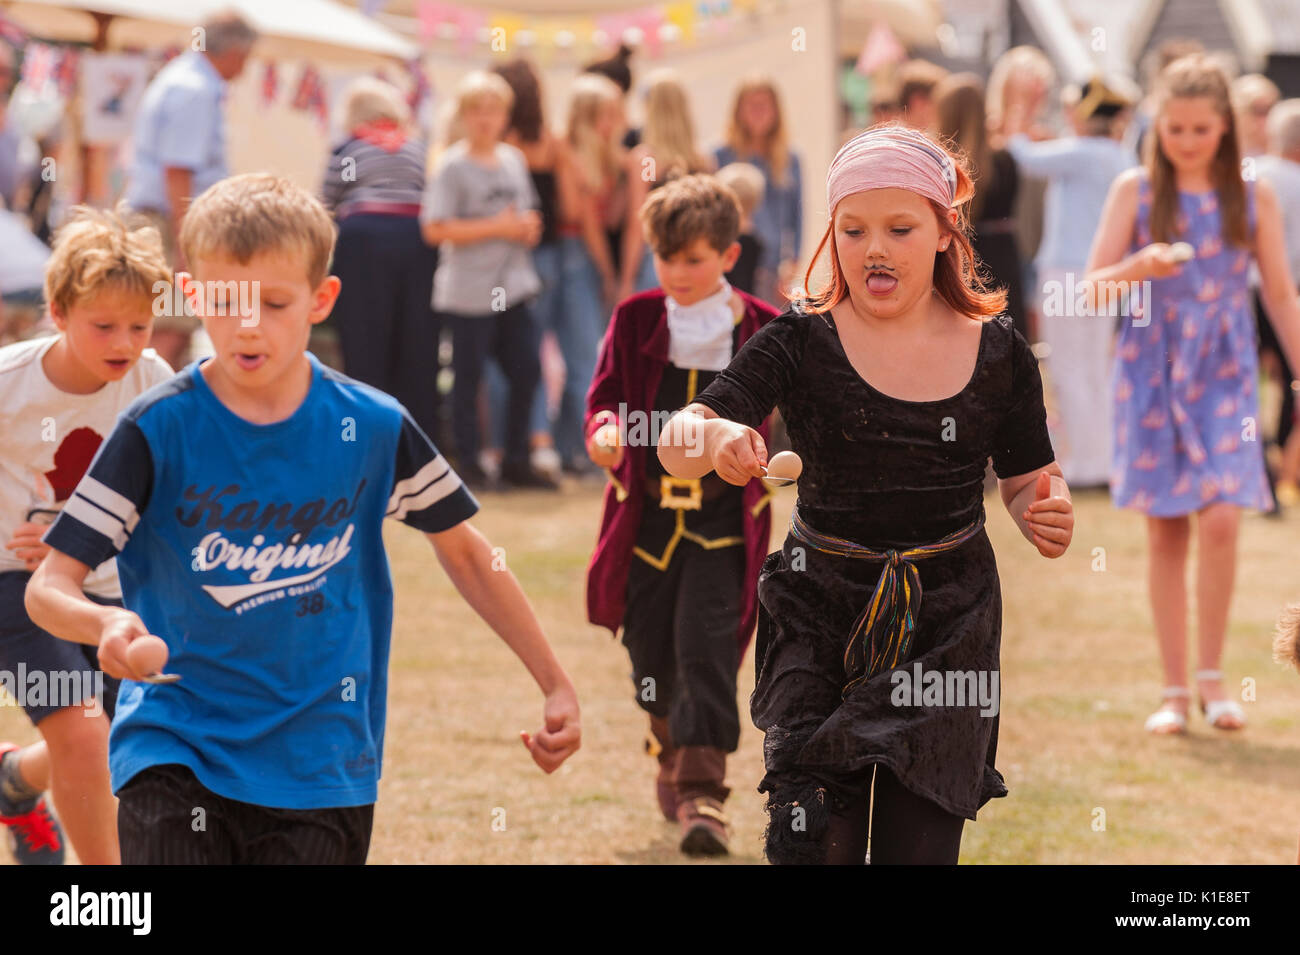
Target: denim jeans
(645, 275)
(512, 339)
(570, 306)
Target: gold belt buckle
(668, 496)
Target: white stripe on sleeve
(444, 486)
(97, 492)
(431, 472)
(82, 510)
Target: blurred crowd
(1043, 166)
(585, 177)
(532, 218)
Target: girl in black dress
(897, 385)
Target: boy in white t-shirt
(59, 399)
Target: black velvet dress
(885, 473)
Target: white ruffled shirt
(700, 334)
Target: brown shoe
(701, 790)
(704, 827)
(659, 744)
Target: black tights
(905, 829)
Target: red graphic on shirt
(72, 460)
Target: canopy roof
(321, 29)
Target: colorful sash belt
(882, 634)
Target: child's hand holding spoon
(783, 470)
(604, 448)
(127, 651)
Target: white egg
(785, 465)
(147, 655)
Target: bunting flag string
(270, 84)
(310, 95)
(675, 22)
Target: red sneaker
(35, 836)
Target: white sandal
(1168, 722)
(1216, 710)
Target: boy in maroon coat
(677, 561)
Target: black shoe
(524, 476)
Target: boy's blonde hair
(97, 250)
(248, 215)
(747, 182)
(689, 208)
(479, 85)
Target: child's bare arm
(1039, 502)
(504, 225)
(56, 603)
(696, 441)
(496, 596)
(1111, 268)
(1115, 229)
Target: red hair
(956, 274)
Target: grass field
(1079, 675)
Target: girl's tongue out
(881, 283)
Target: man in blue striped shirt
(179, 146)
(180, 131)
(244, 500)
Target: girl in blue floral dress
(1186, 435)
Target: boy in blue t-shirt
(244, 500)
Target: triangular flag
(881, 49)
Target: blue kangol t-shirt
(256, 552)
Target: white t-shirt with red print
(49, 436)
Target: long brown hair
(955, 276)
(773, 146)
(959, 111)
(1185, 78)
(526, 116)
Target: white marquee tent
(321, 29)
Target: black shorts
(165, 816)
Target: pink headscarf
(892, 156)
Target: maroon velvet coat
(633, 356)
